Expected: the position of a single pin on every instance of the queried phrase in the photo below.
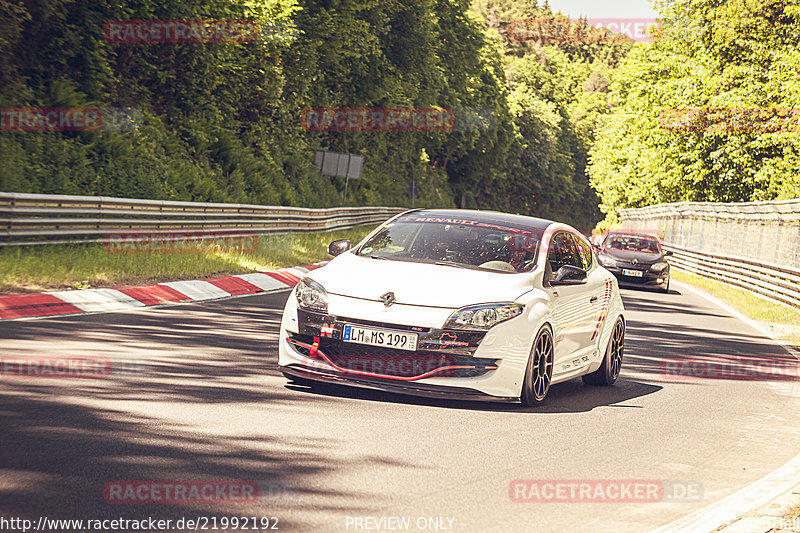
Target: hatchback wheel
(539, 372)
(608, 372)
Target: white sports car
(457, 304)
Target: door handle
(593, 299)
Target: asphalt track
(202, 399)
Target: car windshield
(633, 243)
(455, 242)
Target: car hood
(418, 283)
(628, 256)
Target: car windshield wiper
(458, 265)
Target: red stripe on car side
(608, 293)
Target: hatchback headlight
(606, 261)
(658, 267)
(484, 316)
(311, 295)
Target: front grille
(312, 318)
(447, 341)
(634, 266)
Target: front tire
(609, 371)
(539, 372)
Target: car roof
(494, 217)
(632, 234)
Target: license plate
(399, 340)
(632, 273)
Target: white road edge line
(747, 320)
(733, 507)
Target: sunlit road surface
(199, 397)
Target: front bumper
(440, 353)
(482, 366)
(648, 278)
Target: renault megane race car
(635, 259)
(457, 304)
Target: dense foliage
(221, 121)
(734, 55)
(558, 88)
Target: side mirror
(668, 253)
(339, 247)
(569, 275)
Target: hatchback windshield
(633, 243)
(455, 242)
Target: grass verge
(83, 266)
(782, 320)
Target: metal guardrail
(751, 245)
(31, 219)
(768, 280)
(764, 231)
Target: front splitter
(417, 389)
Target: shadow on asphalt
(62, 440)
(60, 443)
(569, 397)
(643, 304)
(710, 346)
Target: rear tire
(609, 371)
(539, 372)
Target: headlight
(606, 261)
(484, 316)
(658, 267)
(311, 295)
